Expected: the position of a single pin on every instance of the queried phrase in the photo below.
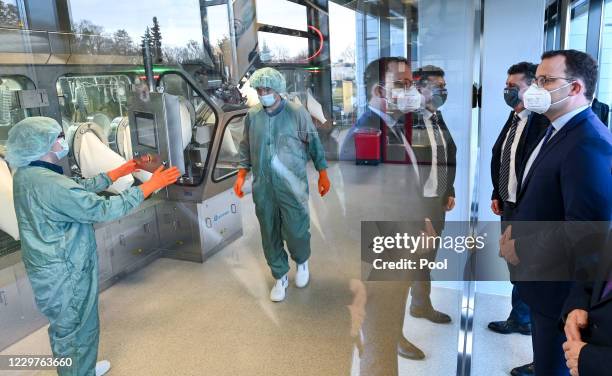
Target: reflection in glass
(229, 157)
(277, 48)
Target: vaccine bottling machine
(108, 114)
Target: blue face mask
(64, 152)
(267, 100)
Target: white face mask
(405, 100)
(539, 100)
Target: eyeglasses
(400, 84)
(541, 81)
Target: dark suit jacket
(570, 182)
(596, 357)
(532, 134)
(425, 155)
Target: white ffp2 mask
(405, 100)
(539, 100)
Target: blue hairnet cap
(269, 77)
(30, 139)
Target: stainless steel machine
(200, 214)
(178, 123)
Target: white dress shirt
(430, 189)
(557, 125)
(390, 123)
(512, 178)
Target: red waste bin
(367, 146)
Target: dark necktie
(504, 172)
(441, 157)
(547, 135)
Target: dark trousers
(520, 312)
(421, 290)
(547, 341)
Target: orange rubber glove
(161, 178)
(242, 173)
(123, 170)
(324, 183)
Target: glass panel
(579, 25)
(176, 30)
(279, 48)
(604, 87)
(227, 161)
(10, 110)
(341, 93)
(218, 25)
(282, 13)
(91, 97)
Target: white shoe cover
(102, 367)
(302, 276)
(277, 294)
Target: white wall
(513, 32)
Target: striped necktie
(441, 164)
(504, 172)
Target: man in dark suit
(387, 82)
(588, 328)
(436, 154)
(388, 104)
(567, 179)
(520, 134)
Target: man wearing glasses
(567, 179)
(391, 95)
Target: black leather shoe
(430, 314)
(510, 326)
(526, 370)
(407, 350)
